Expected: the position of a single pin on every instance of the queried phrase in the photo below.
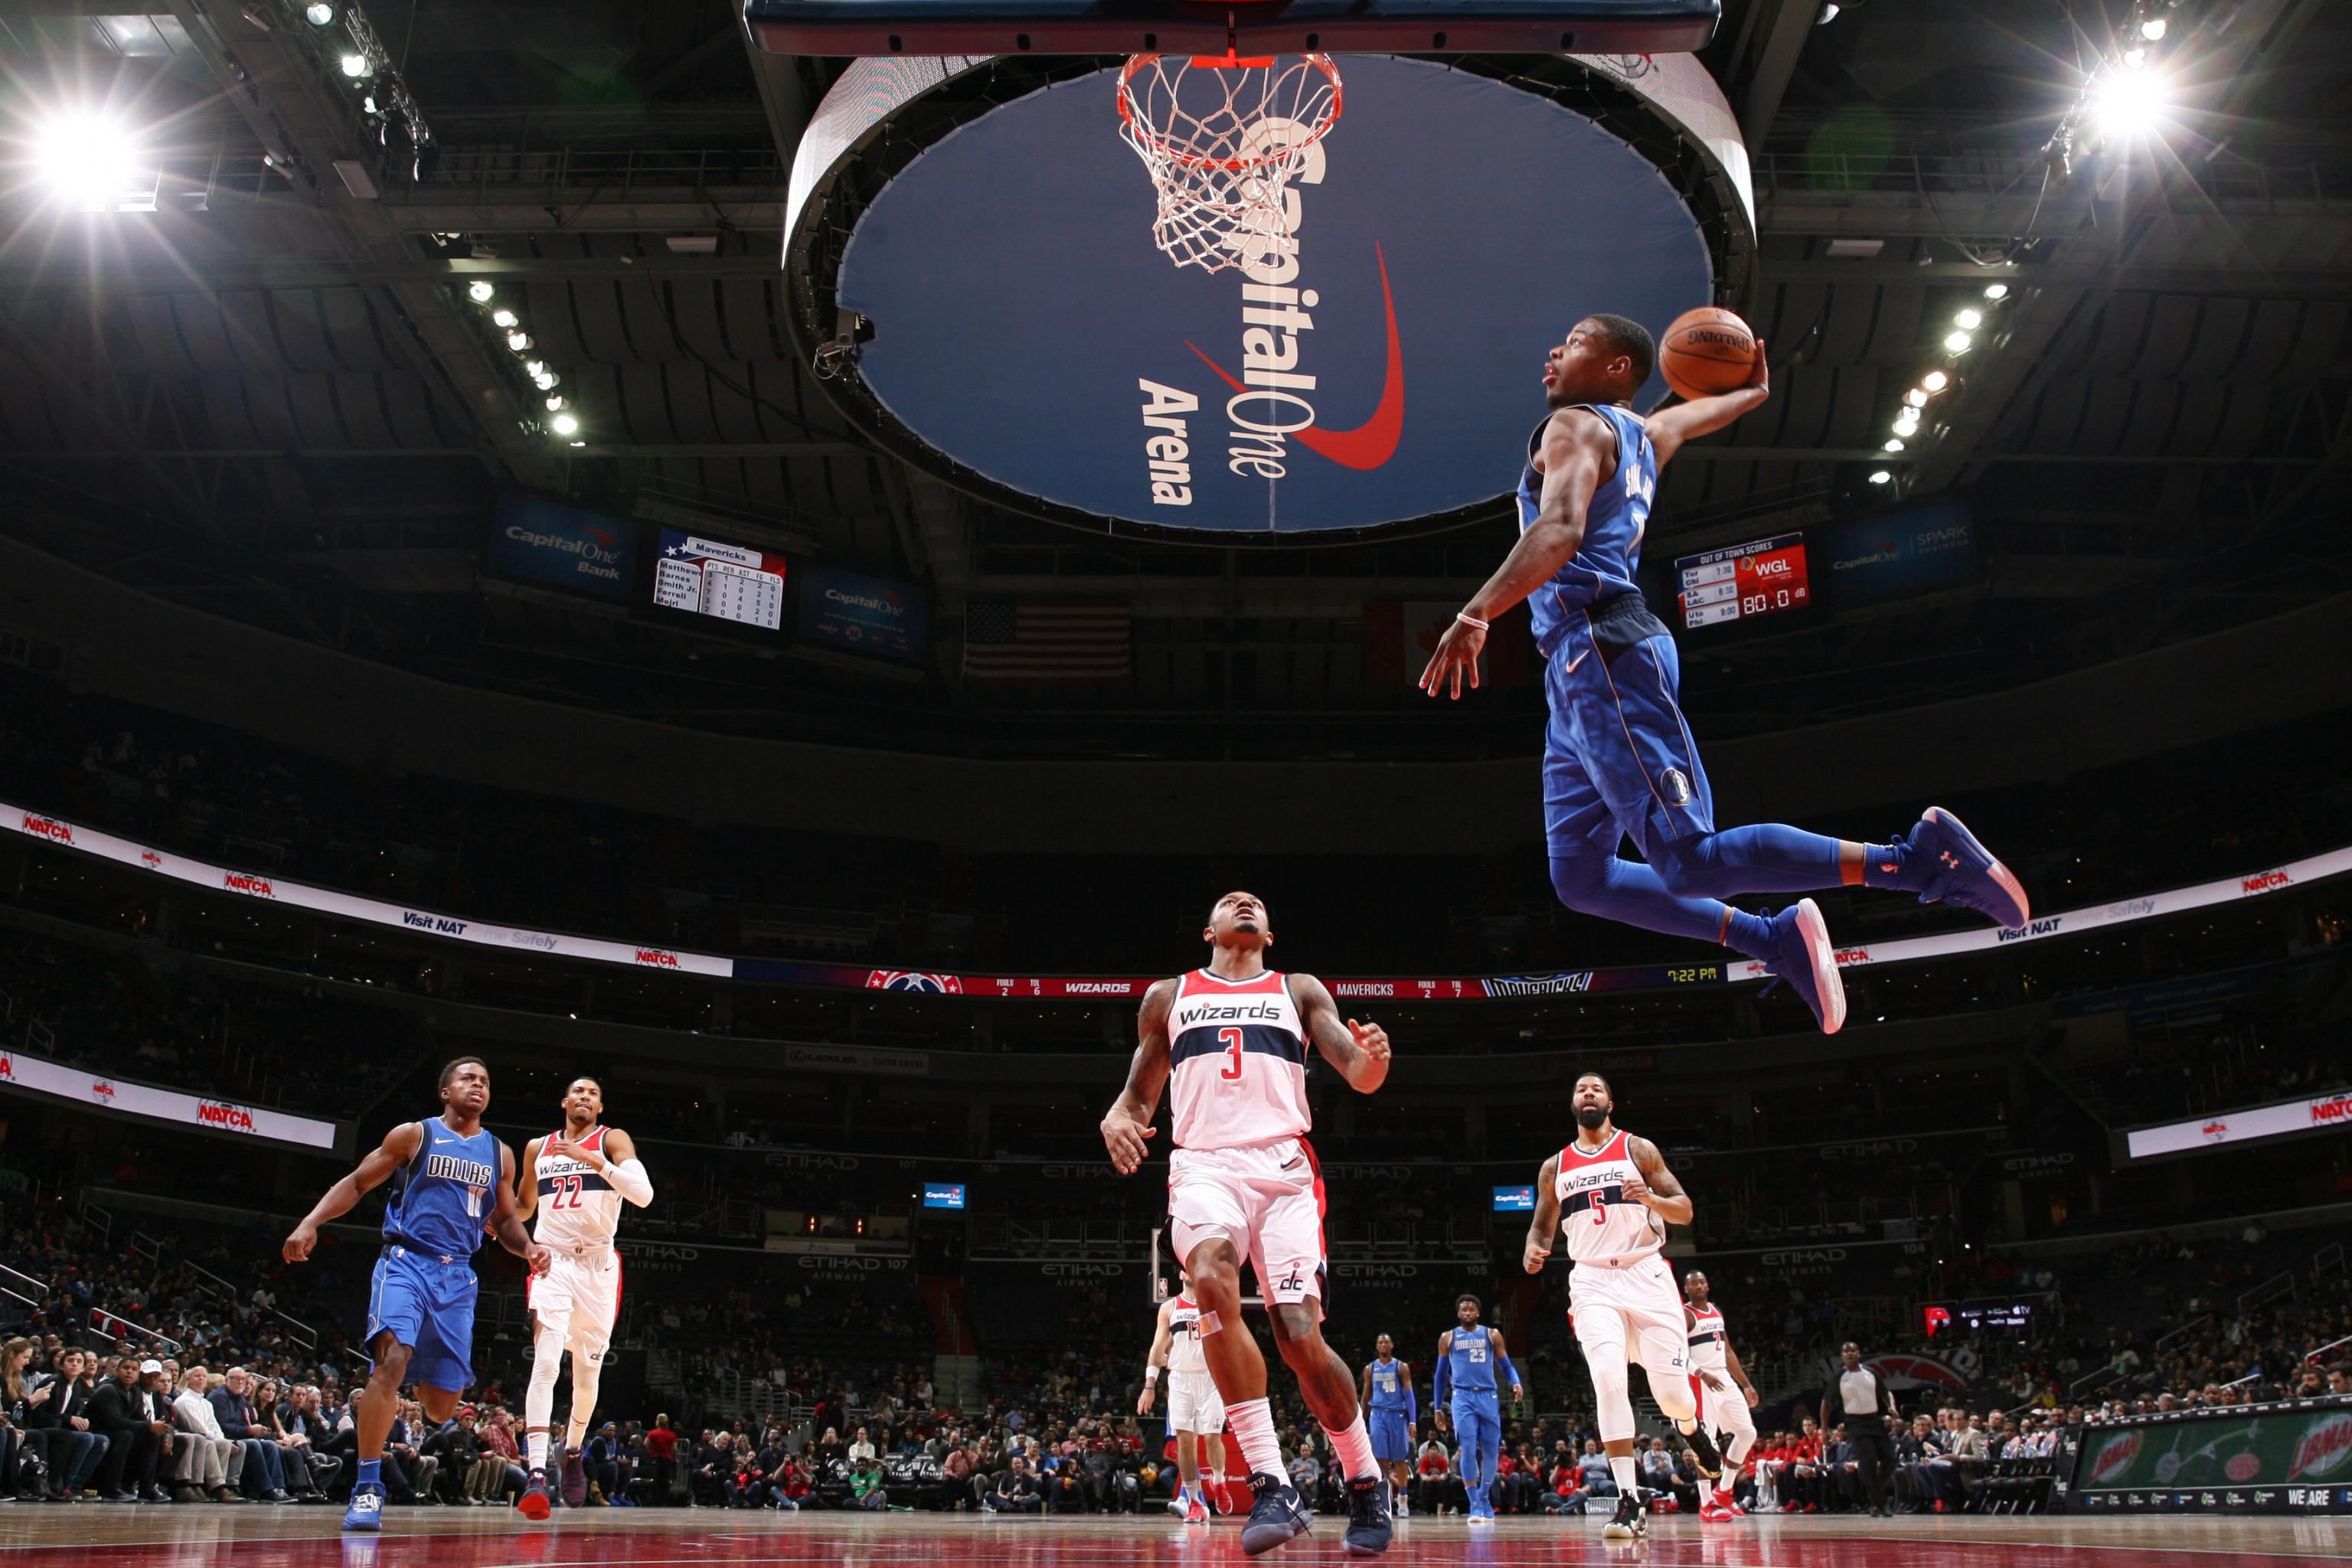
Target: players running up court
(452, 1181)
(1610, 1195)
(1725, 1395)
(1195, 1415)
(577, 1180)
(1469, 1355)
(1241, 1182)
(1390, 1413)
(1619, 761)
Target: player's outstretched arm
(1670, 428)
(398, 1148)
(1579, 449)
(1546, 1223)
(526, 1183)
(1657, 1190)
(1126, 1125)
(1357, 1052)
(506, 1227)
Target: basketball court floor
(198, 1536)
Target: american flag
(1025, 639)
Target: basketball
(1705, 351)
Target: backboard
(1270, 27)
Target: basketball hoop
(1222, 138)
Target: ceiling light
(1880, 477)
(355, 66)
(503, 318)
(86, 158)
(1996, 290)
(2152, 29)
(2128, 103)
(545, 380)
(519, 340)
(1906, 427)
(1917, 397)
(320, 14)
(1935, 381)
(564, 425)
(534, 368)
(1969, 320)
(479, 293)
(1958, 343)
(555, 402)
(1829, 13)
(2135, 59)
(1895, 445)
(580, 443)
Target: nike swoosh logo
(1374, 442)
(1579, 658)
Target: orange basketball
(1707, 351)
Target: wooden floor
(197, 1536)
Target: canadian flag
(1401, 634)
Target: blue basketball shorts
(428, 1305)
(1619, 761)
(1391, 1439)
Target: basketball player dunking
(452, 1182)
(1725, 1395)
(1390, 1413)
(578, 1178)
(1619, 761)
(1243, 1182)
(1610, 1195)
(1195, 1415)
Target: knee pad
(1613, 1406)
(1674, 1398)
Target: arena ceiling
(268, 395)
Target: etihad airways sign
(1380, 364)
(37, 1075)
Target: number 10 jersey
(1237, 1055)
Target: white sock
(539, 1450)
(1354, 1445)
(1252, 1426)
(1622, 1469)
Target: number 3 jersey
(1600, 1222)
(1238, 1052)
(577, 1206)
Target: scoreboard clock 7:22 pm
(1741, 582)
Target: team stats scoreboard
(728, 582)
(1741, 582)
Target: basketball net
(1222, 138)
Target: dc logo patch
(1677, 786)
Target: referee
(1859, 1397)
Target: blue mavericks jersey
(1604, 565)
(1471, 1363)
(442, 1199)
(1388, 1385)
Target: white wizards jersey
(1185, 1356)
(1598, 1221)
(577, 1206)
(1707, 1341)
(1238, 1062)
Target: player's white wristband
(1151, 1376)
(1468, 619)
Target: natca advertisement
(2287, 1459)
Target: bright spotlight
(504, 319)
(1969, 320)
(1935, 381)
(355, 66)
(480, 292)
(1909, 427)
(1996, 290)
(519, 340)
(1958, 343)
(1917, 397)
(545, 380)
(2152, 29)
(320, 14)
(2135, 59)
(1896, 445)
(564, 425)
(534, 368)
(556, 402)
(2128, 103)
(1880, 477)
(87, 160)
